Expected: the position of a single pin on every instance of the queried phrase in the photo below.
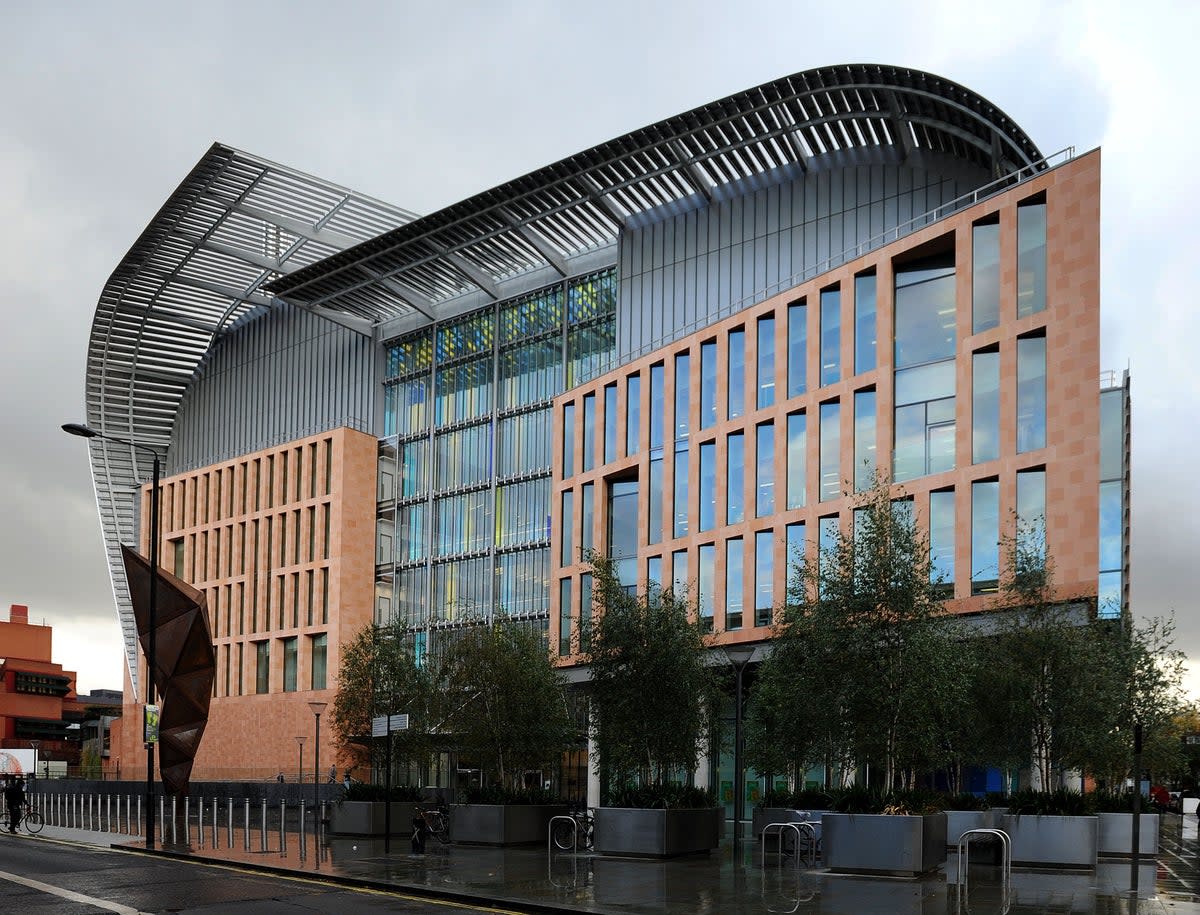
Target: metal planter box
(366, 818)
(871, 843)
(502, 824)
(959, 821)
(1056, 841)
(1115, 834)
(657, 833)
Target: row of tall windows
(1031, 265)
(230, 681)
(1110, 592)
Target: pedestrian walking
(14, 797)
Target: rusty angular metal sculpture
(185, 665)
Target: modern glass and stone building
(687, 348)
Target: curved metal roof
(580, 204)
(236, 222)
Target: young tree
(379, 675)
(654, 697)
(506, 702)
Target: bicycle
(435, 821)
(582, 836)
(31, 820)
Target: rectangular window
(941, 541)
(795, 545)
(708, 383)
(1031, 258)
(585, 610)
(568, 441)
(706, 562)
(864, 440)
(610, 423)
(708, 486)
(985, 276)
(633, 414)
(985, 407)
(925, 311)
(586, 514)
(241, 670)
(797, 348)
(682, 394)
(766, 361)
(177, 557)
(262, 667)
(737, 373)
(831, 451)
(734, 552)
(924, 421)
(653, 574)
(654, 497)
(827, 543)
(680, 528)
(589, 432)
(1031, 393)
(679, 573)
(764, 576)
(865, 356)
(564, 617)
(985, 537)
(657, 396)
(320, 657)
(1110, 598)
(567, 526)
(831, 336)
(623, 531)
(764, 502)
(797, 459)
(289, 665)
(1031, 513)
(735, 478)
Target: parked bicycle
(436, 821)
(31, 820)
(583, 834)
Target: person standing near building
(14, 797)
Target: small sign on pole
(398, 723)
(151, 724)
(382, 725)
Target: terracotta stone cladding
(282, 543)
(1070, 323)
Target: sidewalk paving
(727, 881)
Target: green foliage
(361, 791)
(804, 799)
(499, 794)
(1117, 802)
(663, 796)
(90, 763)
(507, 702)
(863, 666)
(1060, 802)
(653, 696)
(857, 799)
(965, 800)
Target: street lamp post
(300, 762)
(35, 744)
(151, 648)
(317, 708)
(739, 656)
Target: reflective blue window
(925, 312)
(985, 537)
(610, 423)
(831, 336)
(766, 361)
(737, 373)
(827, 541)
(564, 617)
(1031, 512)
(923, 426)
(633, 413)
(653, 574)
(568, 441)
(985, 276)
(682, 394)
(585, 609)
(1031, 393)
(1031, 259)
(797, 348)
(1112, 434)
(764, 577)
(589, 431)
(797, 459)
(1109, 596)
(1111, 526)
(765, 475)
(831, 451)
(654, 525)
(864, 323)
(735, 478)
(708, 384)
(623, 531)
(864, 440)
(706, 562)
(795, 546)
(680, 528)
(656, 406)
(985, 407)
(587, 510)
(679, 573)
(941, 541)
(708, 486)
(734, 557)
(567, 527)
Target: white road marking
(67, 894)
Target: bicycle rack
(963, 892)
(574, 833)
(799, 829)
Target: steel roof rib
(583, 201)
(198, 267)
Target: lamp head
(79, 429)
(317, 707)
(739, 655)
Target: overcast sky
(105, 107)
